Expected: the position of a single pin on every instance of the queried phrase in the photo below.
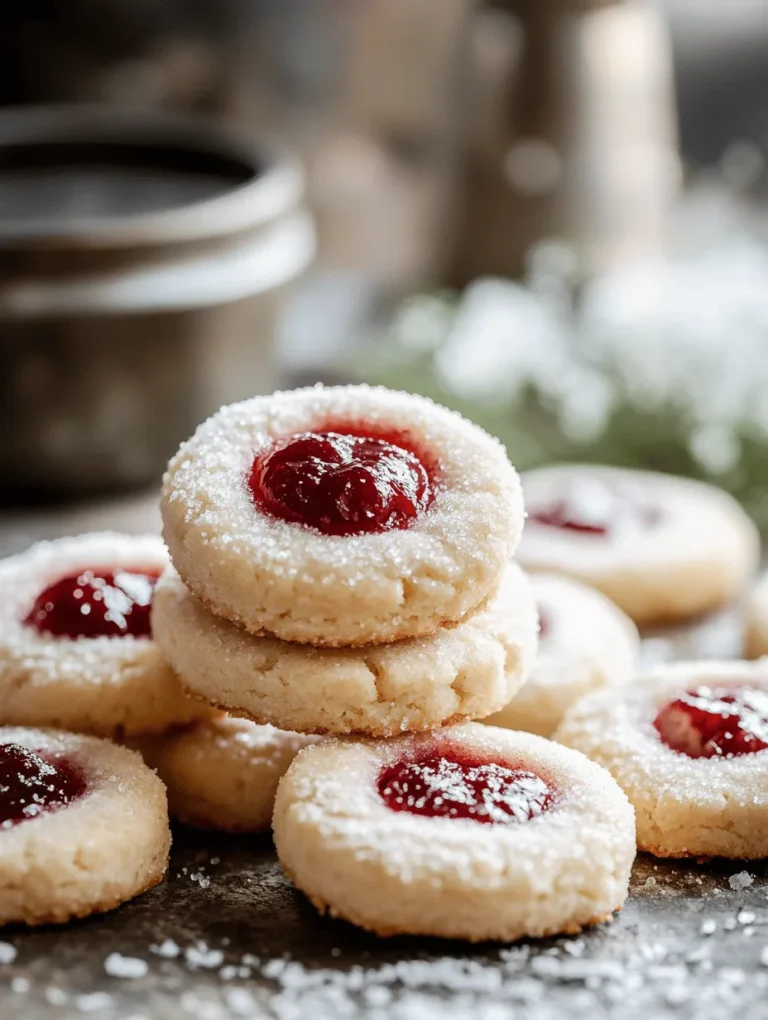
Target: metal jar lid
(248, 233)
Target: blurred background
(550, 214)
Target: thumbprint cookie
(457, 673)
(223, 773)
(585, 642)
(662, 548)
(338, 516)
(688, 744)
(475, 833)
(76, 650)
(83, 826)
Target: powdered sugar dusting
(103, 685)
(415, 684)
(741, 880)
(684, 806)
(7, 952)
(654, 968)
(379, 868)
(258, 571)
(619, 974)
(130, 967)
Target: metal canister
(583, 147)
(143, 259)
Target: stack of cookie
(342, 565)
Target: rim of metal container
(274, 184)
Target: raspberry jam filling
(591, 507)
(95, 603)
(459, 784)
(342, 483)
(568, 518)
(715, 723)
(31, 786)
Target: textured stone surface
(229, 894)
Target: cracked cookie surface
(462, 672)
(223, 773)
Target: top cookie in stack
(343, 559)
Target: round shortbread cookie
(685, 806)
(106, 685)
(88, 855)
(585, 642)
(298, 584)
(674, 548)
(458, 673)
(756, 623)
(223, 773)
(397, 872)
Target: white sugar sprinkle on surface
(94, 1002)
(200, 956)
(167, 948)
(119, 966)
(7, 952)
(741, 880)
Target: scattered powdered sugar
(241, 1002)
(200, 956)
(596, 975)
(521, 976)
(94, 1002)
(119, 966)
(741, 880)
(230, 972)
(167, 948)
(7, 952)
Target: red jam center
(462, 786)
(591, 507)
(714, 723)
(31, 786)
(342, 483)
(568, 518)
(95, 603)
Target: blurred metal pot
(142, 261)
